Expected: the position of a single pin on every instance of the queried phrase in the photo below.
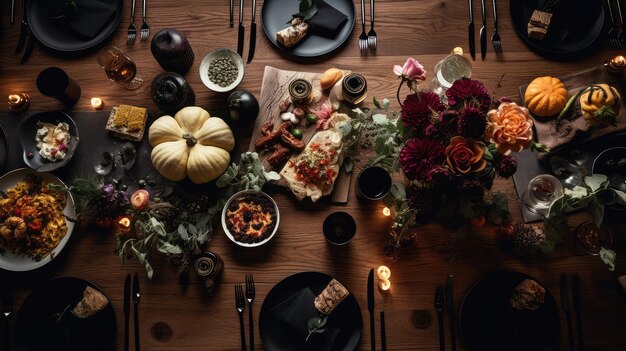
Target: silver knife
(370, 307)
(23, 31)
(483, 32)
(136, 296)
(12, 19)
(241, 30)
(252, 33)
(472, 47)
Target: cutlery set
(370, 307)
(133, 295)
(616, 30)
(577, 311)
(241, 29)
(132, 29)
(367, 41)
(495, 38)
(445, 302)
(240, 305)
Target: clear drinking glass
(119, 68)
(543, 190)
(451, 68)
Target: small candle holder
(384, 273)
(124, 224)
(18, 102)
(97, 103)
(615, 65)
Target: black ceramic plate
(26, 135)
(36, 328)
(276, 14)
(346, 316)
(4, 149)
(574, 28)
(489, 323)
(58, 37)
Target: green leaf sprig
(316, 325)
(248, 174)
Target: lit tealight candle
(124, 224)
(384, 273)
(386, 212)
(615, 64)
(97, 103)
(18, 102)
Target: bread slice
(290, 36)
(538, 24)
(93, 301)
(127, 122)
(331, 297)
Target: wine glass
(119, 68)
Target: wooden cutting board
(274, 89)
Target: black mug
(373, 183)
(54, 82)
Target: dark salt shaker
(171, 92)
(172, 51)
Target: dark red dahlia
(472, 123)
(418, 109)
(419, 157)
(506, 166)
(439, 175)
(469, 91)
(471, 189)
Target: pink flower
(412, 70)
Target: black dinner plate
(575, 27)
(276, 14)
(61, 39)
(26, 135)
(278, 338)
(489, 323)
(36, 330)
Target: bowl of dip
(48, 139)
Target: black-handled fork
(250, 297)
(240, 304)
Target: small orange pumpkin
(545, 96)
(594, 98)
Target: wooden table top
(426, 30)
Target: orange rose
(465, 156)
(509, 128)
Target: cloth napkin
(295, 313)
(92, 17)
(327, 20)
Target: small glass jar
(543, 190)
(453, 67)
(171, 92)
(592, 238)
(300, 91)
(354, 88)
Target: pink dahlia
(418, 109)
(470, 91)
(419, 157)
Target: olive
(297, 133)
(311, 118)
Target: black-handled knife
(439, 307)
(370, 307)
(578, 311)
(7, 311)
(136, 296)
(12, 19)
(472, 46)
(23, 30)
(383, 332)
(241, 30)
(231, 13)
(483, 31)
(451, 311)
(126, 312)
(566, 311)
(252, 32)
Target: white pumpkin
(192, 143)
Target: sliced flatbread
(93, 301)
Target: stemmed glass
(119, 68)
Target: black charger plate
(35, 329)
(63, 40)
(278, 338)
(575, 27)
(276, 14)
(489, 323)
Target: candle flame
(386, 212)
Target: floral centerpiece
(450, 148)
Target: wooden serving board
(274, 89)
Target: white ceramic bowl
(225, 227)
(216, 54)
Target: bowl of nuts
(221, 70)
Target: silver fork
(363, 36)
(250, 297)
(145, 28)
(620, 33)
(240, 303)
(371, 35)
(613, 32)
(495, 39)
(132, 30)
